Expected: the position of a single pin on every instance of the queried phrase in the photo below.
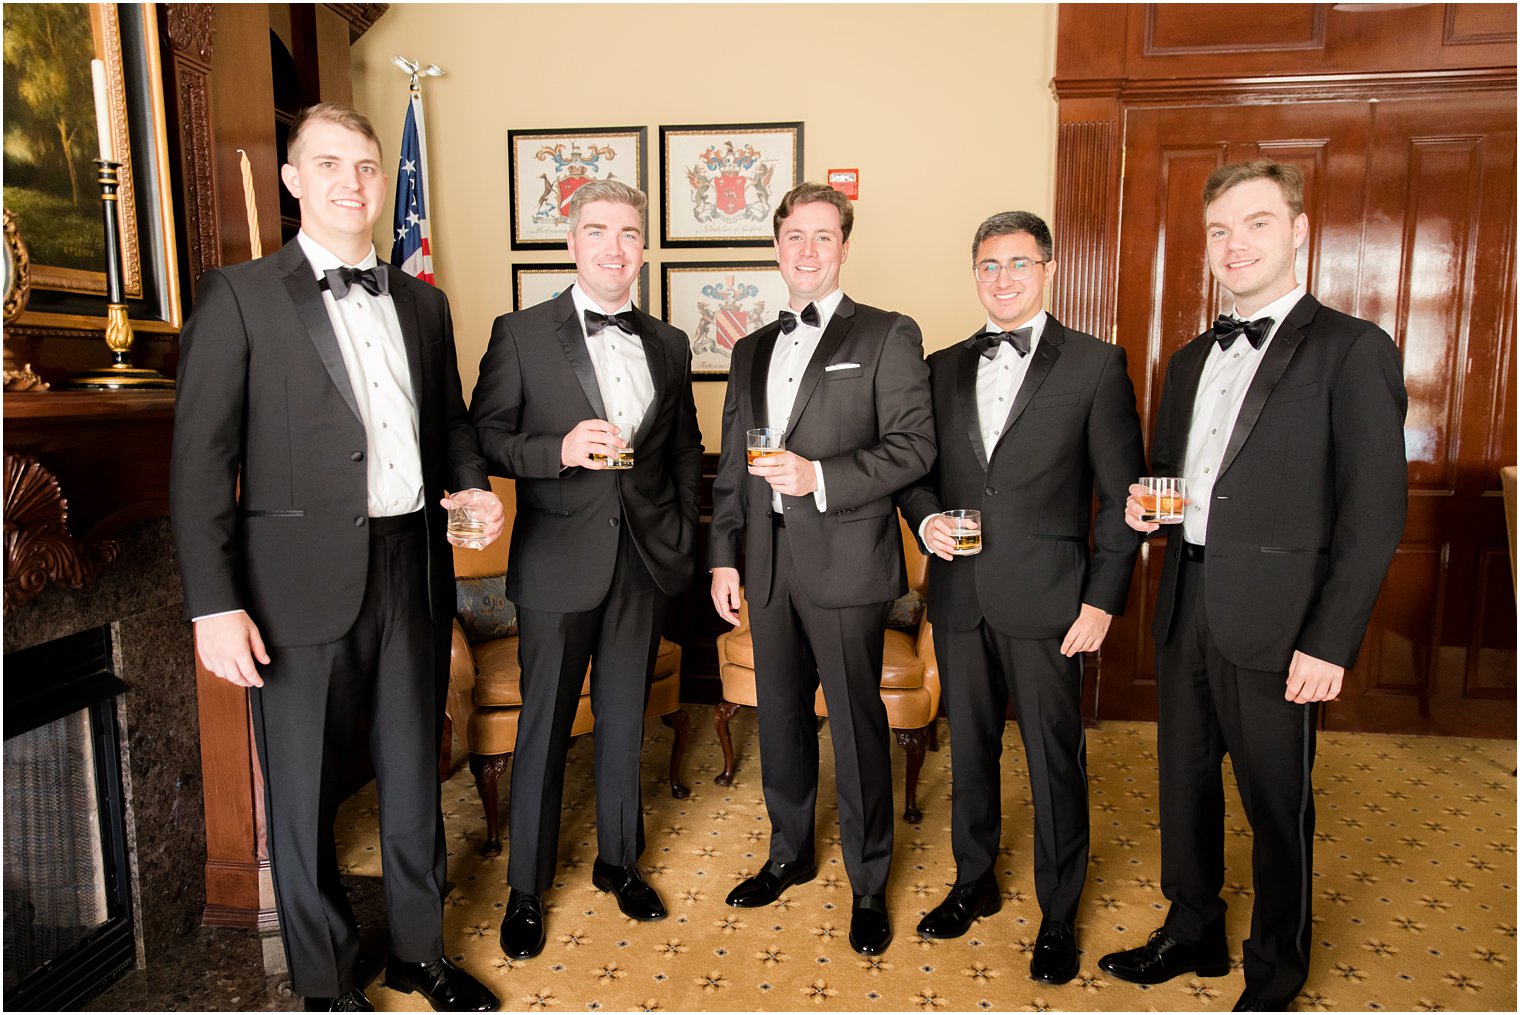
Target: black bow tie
(986, 342)
(809, 317)
(340, 281)
(596, 323)
(1227, 329)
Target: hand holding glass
(1162, 500)
(762, 442)
(624, 458)
(467, 527)
(966, 531)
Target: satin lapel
(411, 330)
(967, 361)
(1273, 362)
(301, 284)
(654, 355)
(760, 370)
(839, 326)
(572, 337)
(1045, 354)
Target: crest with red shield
(732, 326)
(730, 188)
(568, 185)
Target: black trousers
(392, 668)
(798, 644)
(620, 639)
(979, 670)
(1209, 707)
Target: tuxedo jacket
(536, 383)
(268, 482)
(1072, 428)
(862, 411)
(1310, 499)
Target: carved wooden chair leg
(721, 715)
(914, 742)
(680, 723)
(487, 769)
(446, 750)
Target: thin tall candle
(102, 110)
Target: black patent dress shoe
(635, 897)
(522, 929)
(965, 903)
(354, 1000)
(1055, 952)
(870, 929)
(444, 985)
(774, 878)
(1163, 957)
(1252, 1001)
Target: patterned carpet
(1415, 907)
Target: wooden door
(1411, 211)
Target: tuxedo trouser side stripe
(1305, 799)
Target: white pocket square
(840, 366)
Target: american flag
(412, 250)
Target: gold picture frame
(71, 297)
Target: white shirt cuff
(224, 613)
(820, 495)
(924, 525)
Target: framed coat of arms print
(717, 303)
(720, 183)
(546, 167)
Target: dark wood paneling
(1218, 28)
(1132, 48)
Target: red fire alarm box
(846, 181)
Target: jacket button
(360, 521)
(990, 491)
(613, 522)
(357, 456)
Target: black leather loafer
(870, 929)
(1055, 953)
(445, 986)
(1163, 957)
(1252, 1001)
(635, 897)
(774, 878)
(354, 1000)
(522, 929)
(961, 908)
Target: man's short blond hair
(328, 112)
(615, 191)
(1288, 179)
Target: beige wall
(945, 109)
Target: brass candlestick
(121, 374)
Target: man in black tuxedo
(318, 424)
(823, 554)
(1031, 418)
(597, 552)
(1286, 421)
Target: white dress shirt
(789, 359)
(1227, 376)
(369, 336)
(622, 367)
(998, 381)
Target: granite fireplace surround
(113, 474)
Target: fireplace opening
(68, 930)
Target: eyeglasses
(1019, 269)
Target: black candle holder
(121, 374)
